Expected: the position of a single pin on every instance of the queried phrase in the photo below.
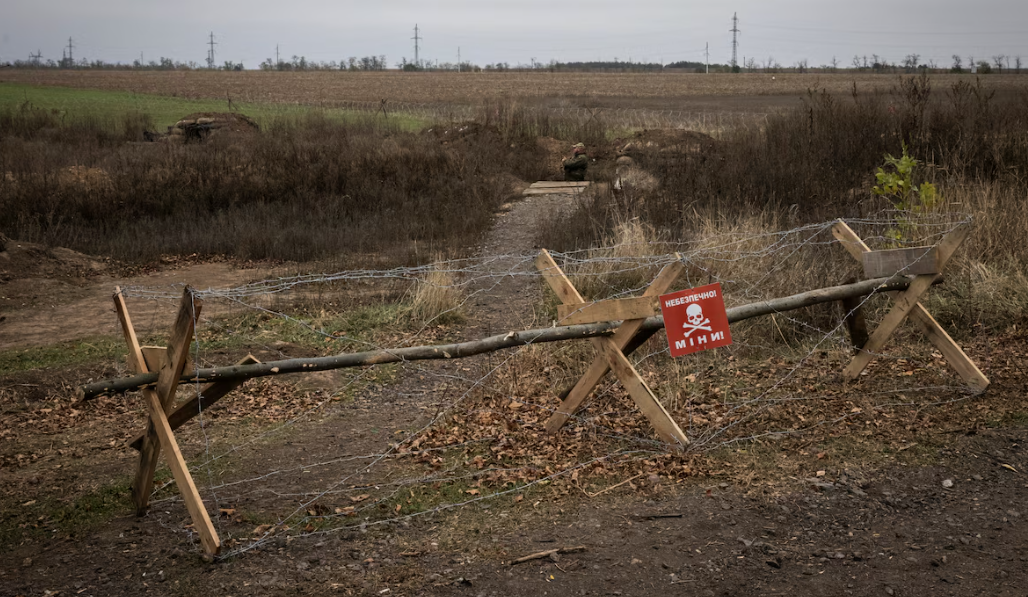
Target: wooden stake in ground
(159, 432)
(612, 358)
(906, 304)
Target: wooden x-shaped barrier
(164, 419)
(633, 311)
(906, 304)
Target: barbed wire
(717, 257)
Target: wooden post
(159, 430)
(201, 400)
(952, 352)
(611, 357)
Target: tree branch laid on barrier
(491, 344)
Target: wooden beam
(556, 279)
(167, 384)
(952, 352)
(625, 334)
(609, 310)
(470, 348)
(184, 481)
(902, 306)
(610, 351)
(639, 307)
(659, 417)
(201, 401)
(150, 448)
(162, 434)
(155, 355)
(558, 184)
(911, 261)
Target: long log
(491, 344)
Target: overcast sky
(489, 31)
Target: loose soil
(936, 512)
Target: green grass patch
(62, 354)
(335, 332)
(113, 106)
(50, 516)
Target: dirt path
(508, 302)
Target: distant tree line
(161, 63)
(300, 63)
(873, 63)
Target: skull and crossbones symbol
(696, 320)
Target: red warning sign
(695, 320)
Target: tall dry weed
(435, 298)
(625, 263)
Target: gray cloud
(490, 31)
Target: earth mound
(20, 260)
(200, 125)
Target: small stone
(26, 562)
(977, 477)
(636, 561)
(948, 483)
(890, 591)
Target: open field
(322, 235)
(165, 110)
(744, 92)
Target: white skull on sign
(696, 320)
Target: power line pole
(278, 60)
(458, 58)
(735, 40)
(71, 59)
(210, 53)
(35, 57)
(706, 51)
(416, 38)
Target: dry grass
(436, 298)
(622, 264)
(301, 189)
